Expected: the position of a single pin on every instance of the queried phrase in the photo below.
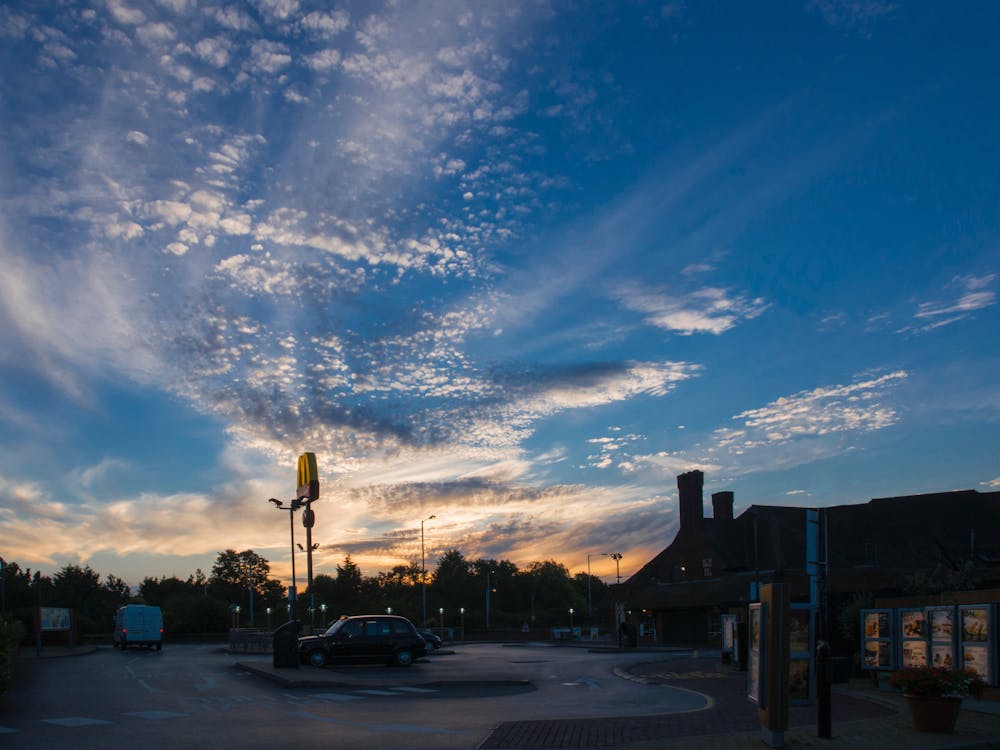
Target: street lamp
(388, 610)
(461, 611)
(570, 622)
(293, 505)
(309, 550)
(617, 557)
(488, 572)
(423, 571)
(268, 618)
(322, 609)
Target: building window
(706, 567)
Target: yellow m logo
(308, 477)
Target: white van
(138, 625)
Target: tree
(349, 581)
(454, 583)
(118, 591)
(235, 573)
(552, 592)
(80, 589)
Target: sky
(514, 265)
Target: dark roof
(889, 537)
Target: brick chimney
(689, 489)
(722, 506)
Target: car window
(352, 627)
(401, 628)
(371, 628)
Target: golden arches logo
(308, 477)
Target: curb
(295, 682)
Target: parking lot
(190, 695)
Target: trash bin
(285, 645)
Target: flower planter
(934, 714)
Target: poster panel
(728, 633)
(877, 638)
(798, 680)
(942, 623)
(977, 658)
(914, 653)
(54, 618)
(914, 623)
(943, 655)
(755, 654)
(800, 632)
(975, 624)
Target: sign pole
(307, 489)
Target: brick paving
(861, 718)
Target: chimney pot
(689, 490)
(722, 506)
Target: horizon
(516, 268)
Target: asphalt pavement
(862, 716)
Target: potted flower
(935, 694)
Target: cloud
(853, 14)
(973, 294)
(855, 407)
(707, 310)
(268, 57)
(124, 14)
(790, 431)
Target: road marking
(155, 714)
(338, 697)
(142, 682)
(406, 689)
(76, 721)
(375, 692)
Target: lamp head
(277, 503)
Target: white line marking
(76, 721)
(338, 697)
(155, 714)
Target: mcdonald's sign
(308, 478)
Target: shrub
(937, 682)
(11, 635)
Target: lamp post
(488, 572)
(617, 557)
(423, 571)
(461, 611)
(388, 610)
(293, 505)
(250, 586)
(322, 609)
(268, 618)
(570, 622)
(309, 550)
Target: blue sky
(516, 265)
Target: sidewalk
(862, 717)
